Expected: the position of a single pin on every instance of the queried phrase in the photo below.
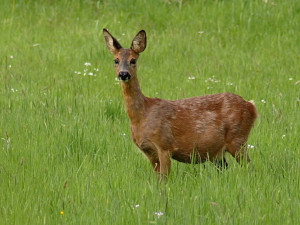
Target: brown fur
(202, 128)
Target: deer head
(125, 59)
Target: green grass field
(66, 153)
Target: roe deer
(188, 130)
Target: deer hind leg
(219, 159)
(238, 151)
(221, 164)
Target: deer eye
(116, 61)
(133, 61)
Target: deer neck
(134, 100)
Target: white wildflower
(191, 78)
(9, 66)
(11, 56)
(91, 74)
(283, 136)
(263, 101)
(87, 64)
(137, 205)
(200, 32)
(251, 146)
(291, 78)
(159, 214)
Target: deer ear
(112, 44)
(139, 42)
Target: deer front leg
(153, 158)
(156, 165)
(165, 163)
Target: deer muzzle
(124, 76)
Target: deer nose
(124, 75)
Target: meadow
(66, 153)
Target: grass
(65, 138)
